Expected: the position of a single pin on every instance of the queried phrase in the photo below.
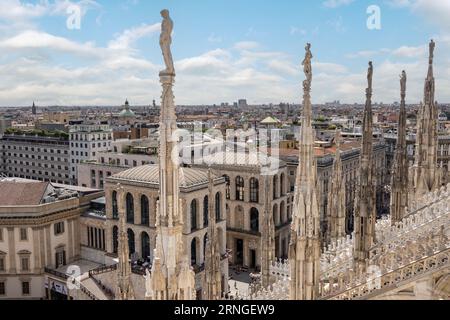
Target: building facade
(85, 141)
(39, 233)
(41, 158)
(141, 188)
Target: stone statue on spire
(307, 69)
(165, 41)
(403, 84)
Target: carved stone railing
(390, 280)
(102, 269)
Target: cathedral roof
(150, 174)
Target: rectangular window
(25, 288)
(1, 234)
(59, 228)
(23, 234)
(2, 263)
(2, 289)
(25, 263)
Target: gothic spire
(124, 286)
(365, 211)
(426, 174)
(212, 250)
(399, 192)
(336, 197)
(304, 247)
(267, 237)
(172, 277)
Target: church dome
(127, 112)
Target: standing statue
(165, 42)
(307, 69)
(432, 46)
(370, 75)
(403, 83)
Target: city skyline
(222, 52)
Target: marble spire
(426, 174)
(267, 236)
(399, 185)
(172, 277)
(336, 197)
(124, 289)
(365, 210)
(304, 246)
(213, 277)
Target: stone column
(12, 251)
(48, 246)
(70, 247)
(137, 208)
(36, 253)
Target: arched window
(227, 187)
(240, 188)
(283, 216)
(145, 208)
(130, 208)
(194, 252)
(282, 191)
(205, 240)
(193, 215)
(254, 220)
(131, 243)
(275, 187)
(115, 210)
(145, 246)
(276, 215)
(254, 190)
(205, 211)
(218, 204)
(115, 236)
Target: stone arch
(129, 202)
(145, 246)
(131, 242)
(145, 211)
(115, 239)
(254, 220)
(276, 215)
(193, 211)
(283, 215)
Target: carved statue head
(165, 13)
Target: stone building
(39, 234)
(350, 157)
(44, 158)
(244, 174)
(141, 187)
(86, 140)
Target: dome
(127, 112)
(150, 174)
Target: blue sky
(223, 50)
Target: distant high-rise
(33, 109)
(242, 103)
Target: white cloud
(336, 3)
(40, 40)
(125, 40)
(246, 45)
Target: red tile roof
(21, 193)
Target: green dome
(127, 112)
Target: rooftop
(150, 174)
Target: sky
(224, 50)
